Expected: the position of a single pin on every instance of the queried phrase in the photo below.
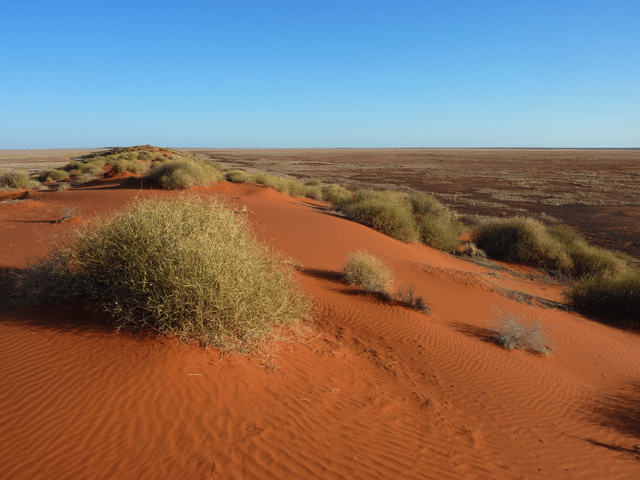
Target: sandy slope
(379, 391)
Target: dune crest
(377, 390)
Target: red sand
(380, 391)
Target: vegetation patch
(186, 267)
(515, 332)
(365, 270)
(54, 175)
(555, 249)
(16, 179)
(384, 211)
(183, 173)
(615, 297)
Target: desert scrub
(336, 194)
(182, 173)
(187, 267)
(515, 332)
(555, 249)
(525, 240)
(384, 211)
(127, 165)
(614, 297)
(237, 176)
(52, 175)
(438, 226)
(16, 179)
(365, 270)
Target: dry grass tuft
(515, 332)
(186, 267)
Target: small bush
(52, 175)
(92, 168)
(16, 179)
(553, 248)
(314, 192)
(615, 297)
(523, 240)
(178, 174)
(408, 297)
(186, 266)
(513, 332)
(336, 194)
(437, 225)
(366, 270)
(288, 186)
(133, 166)
(237, 176)
(386, 212)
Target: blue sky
(312, 74)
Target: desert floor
(596, 191)
(373, 391)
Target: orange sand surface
(377, 391)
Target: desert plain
(373, 390)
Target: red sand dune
(380, 391)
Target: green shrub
(615, 297)
(586, 259)
(438, 226)
(91, 168)
(313, 183)
(16, 179)
(133, 166)
(53, 175)
(288, 186)
(523, 240)
(513, 332)
(178, 174)
(367, 271)
(314, 192)
(553, 248)
(237, 176)
(186, 266)
(336, 194)
(386, 211)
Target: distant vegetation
(599, 281)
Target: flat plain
(596, 191)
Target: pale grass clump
(515, 332)
(367, 271)
(16, 179)
(186, 267)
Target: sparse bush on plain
(515, 332)
(615, 297)
(16, 179)
(367, 271)
(186, 266)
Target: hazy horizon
(349, 74)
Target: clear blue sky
(320, 74)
